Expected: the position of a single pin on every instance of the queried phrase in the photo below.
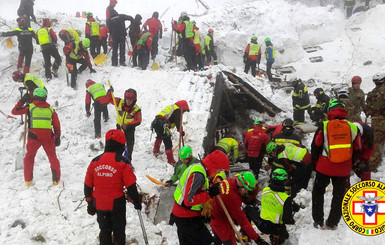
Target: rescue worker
(107, 176)
(110, 10)
(336, 144)
(68, 35)
(130, 116)
(186, 159)
(295, 161)
(30, 81)
(376, 109)
(41, 119)
(165, 120)
(301, 101)
(349, 5)
(252, 56)
(276, 208)
(287, 134)
(76, 52)
(186, 30)
(24, 37)
(270, 57)
(199, 48)
(209, 48)
(155, 28)
(356, 99)
(25, 11)
(235, 189)
(255, 143)
(230, 147)
(92, 32)
(134, 35)
(98, 94)
(191, 193)
(143, 48)
(103, 36)
(48, 40)
(116, 25)
(318, 112)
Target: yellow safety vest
(125, 117)
(74, 34)
(254, 49)
(34, 79)
(189, 29)
(97, 90)
(267, 53)
(167, 112)
(94, 28)
(74, 54)
(272, 205)
(43, 36)
(230, 145)
(40, 117)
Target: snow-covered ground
(48, 211)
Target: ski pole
(142, 226)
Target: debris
(18, 222)
(316, 59)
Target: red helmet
(17, 76)
(116, 135)
(89, 82)
(130, 94)
(46, 22)
(211, 30)
(182, 104)
(356, 80)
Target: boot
(170, 157)
(26, 69)
(156, 149)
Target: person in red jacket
(191, 193)
(235, 189)
(97, 93)
(155, 28)
(252, 56)
(106, 177)
(110, 10)
(103, 36)
(185, 29)
(255, 144)
(41, 119)
(361, 167)
(333, 162)
(144, 48)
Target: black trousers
(27, 54)
(211, 53)
(49, 50)
(251, 64)
(267, 227)
(98, 110)
(134, 40)
(103, 43)
(188, 53)
(94, 46)
(75, 70)
(113, 222)
(154, 45)
(268, 71)
(192, 231)
(144, 58)
(299, 116)
(320, 184)
(118, 43)
(129, 132)
(158, 126)
(255, 164)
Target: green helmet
(86, 42)
(257, 122)
(185, 152)
(248, 180)
(254, 37)
(279, 174)
(335, 104)
(89, 14)
(40, 92)
(268, 39)
(270, 147)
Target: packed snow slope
(52, 215)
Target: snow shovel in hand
(155, 180)
(101, 58)
(19, 163)
(142, 226)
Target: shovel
(19, 163)
(9, 42)
(155, 66)
(7, 116)
(101, 58)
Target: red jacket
(101, 99)
(81, 52)
(253, 57)
(179, 28)
(323, 165)
(106, 176)
(103, 32)
(233, 203)
(255, 141)
(40, 133)
(153, 25)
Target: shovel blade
(101, 58)
(155, 66)
(19, 162)
(9, 42)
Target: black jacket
(116, 25)
(24, 37)
(26, 8)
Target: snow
(291, 25)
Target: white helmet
(379, 78)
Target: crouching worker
(105, 179)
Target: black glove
(214, 190)
(111, 89)
(88, 113)
(25, 98)
(183, 133)
(137, 205)
(295, 207)
(92, 70)
(169, 183)
(132, 192)
(244, 59)
(260, 241)
(123, 127)
(57, 141)
(91, 210)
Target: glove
(123, 127)
(88, 113)
(214, 190)
(92, 70)
(169, 183)
(57, 141)
(183, 133)
(295, 206)
(25, 98)
(260, 241)
(244, 59)
(91, 210)
(137, 205)
(111, 89)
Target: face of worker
(185, 161)
(356, 86)
(129, 102)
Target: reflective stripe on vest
(40, 117)
(94, 28)
(74, 54)
(189, 29)
(97, 90)
(74, 34)
(229, 145)
(34, 79)
(272, 205)
(197, 37)
(167, 111)
(125, 117)
(180, 194)
(293, 153)
(43, 36)
(267, 53)
(254, 49)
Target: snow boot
(170, 157)
(157, 143)
(26, 69)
